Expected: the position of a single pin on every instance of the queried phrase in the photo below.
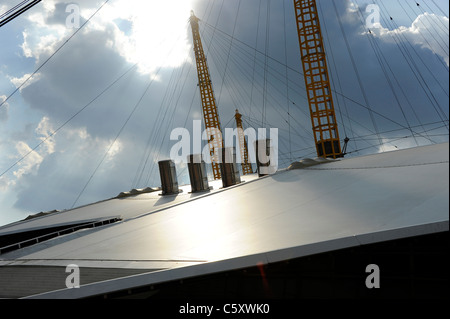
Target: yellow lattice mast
(210, 114)
(246, 165)
(317, 82)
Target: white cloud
(352, 7)
(158, 34)
(115, 149)
(157, 37)
(45, 130)
(31, 160)
(18, 81)
(419, 34)
(36, 46)
(78, 143)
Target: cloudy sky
(87, 112)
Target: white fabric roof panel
(125, 207)
(286, 215)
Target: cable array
(269, 91)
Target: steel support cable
(151, 137)
(255, 123)
(413, 66)
(231, 84)
(281, 143)
(224, 50)
(442, 11)
(425, 38)
(254, 56)
(355, 68)
(228, 54)
(13, 9)
(420, 58)
(177, 102)
(387, 142)
(406, 136)
(217, 50)
(266, 61)
(7, 18)
(215, 27)
(380, 56)
(115, 140)
(443, 27)
(241, 69)
(301, 109)
(425, 87)
(283, 161)
(251, 123)
(180, 89)
(255, 50)
(171, 93)
(348, 117)
(118, 134)
(298, 72)
(288, 104)
(70, 119)
(185, 122)
(192, 103)
(441, 61)
(377, 113)
(157, 126)
(53, 54)
(336, 73)
(217, 61)
(120, 130)
(401, 129)
(312, 151)
(210, 7)
(324, 168)
(258, 51)
(435, 31)
(159, 136)
(293, 89)
(274, 72)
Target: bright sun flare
(158, 35)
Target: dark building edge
(410, 268)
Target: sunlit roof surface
(292, 213)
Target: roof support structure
(246, 165)
(210, 113)
(317, 82)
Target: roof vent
(307, 162)
(168, 174)
(228, 167)
(264, 150)
(138, 191)
(197, 173)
